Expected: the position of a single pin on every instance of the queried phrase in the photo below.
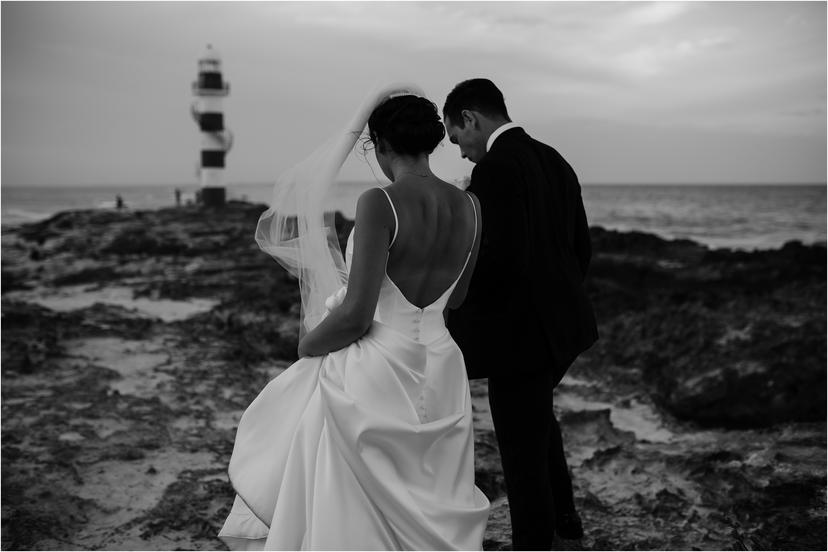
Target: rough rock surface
(133, 341)
(725, 338)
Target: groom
(526, 316)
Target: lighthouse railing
(223, 91)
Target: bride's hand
(333, 301)
(336, 298)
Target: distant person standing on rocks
(526, 316)
(177, 197)
(119, 202)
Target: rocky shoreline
(132, 341)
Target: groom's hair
(476, 95)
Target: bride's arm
(349, 321)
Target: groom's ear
(470, 118)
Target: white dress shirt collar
(500, 130)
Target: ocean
(735, 216)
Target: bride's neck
(410, 166)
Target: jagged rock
(728, 340)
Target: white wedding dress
(368, 447)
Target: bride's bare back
(436, 225)
(435, 232)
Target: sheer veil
(296, 230)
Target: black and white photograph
(414, 275)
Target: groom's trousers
(532, 455)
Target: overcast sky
(99, 93)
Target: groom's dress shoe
(568, 526)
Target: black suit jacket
(526, 310)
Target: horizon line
(263, 183)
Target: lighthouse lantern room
(210, 89)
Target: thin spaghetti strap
(474, 210)
(396, 220)
(474, 239)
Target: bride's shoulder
(371, 195)
(373, 205)
(458, 193)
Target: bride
(366, 442)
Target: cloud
(648, 14)
(298, 68)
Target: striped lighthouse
(210, 89)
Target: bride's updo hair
(410, 125)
